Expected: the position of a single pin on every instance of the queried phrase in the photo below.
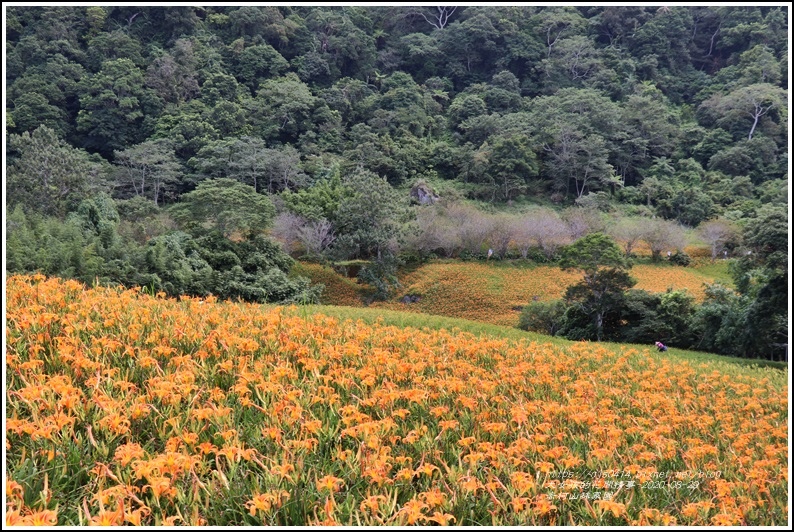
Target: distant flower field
(124, 408)
(492, 294)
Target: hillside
(495, 292)
(129, 408)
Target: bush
(542, 317)
(640, 321)
(646, 317)
(680, 258)
(382, 276)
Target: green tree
(668, 317)
(117, 110)
(758, 65)
(254, 269)
(713, 141)
(283, 109)
(346, 49)
(665, 36)
(747, 105)
(575, 130)
(369, 224)
(466, 106)
(573, 61)
(49, 176)
(470, 48)
(149, 169)
(557, 23)
(346, 97)
(190, 127)
(676, 308)
(249, 160)
(226, 206)
(255, 63)
(368, 219)
(762, 276)
(716, 323)
(579, 159)
(175, 266)
(508, 163)
(256, 23)
(320, 201)
(141, 219)
(600, 294)
(111, 46)
(689, 205)
(542, 317)
(219, 86)
(32, 110)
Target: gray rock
(424, 194)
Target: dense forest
(197, 150)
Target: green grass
(718, 270)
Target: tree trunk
(599, 319)
(756, 116)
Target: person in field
(660, 346)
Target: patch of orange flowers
(492, 294)
(124, 408)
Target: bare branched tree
(717, 233)
(663, 234)
(628, 231)
(544, 229)
(316, 237)
(286, 228)
(438, 18)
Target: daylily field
(489, 293)
(123, 408)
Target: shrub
(680, 258)
(542, 317)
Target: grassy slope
(494, 292)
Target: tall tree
(283, 109)
(605, 278)
(47, 175)
(747, 104)
(368, 219)
(150, 169)
(578, 159)
(117, 110)
(762, 275)
(225, 206)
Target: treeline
(125, 124)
